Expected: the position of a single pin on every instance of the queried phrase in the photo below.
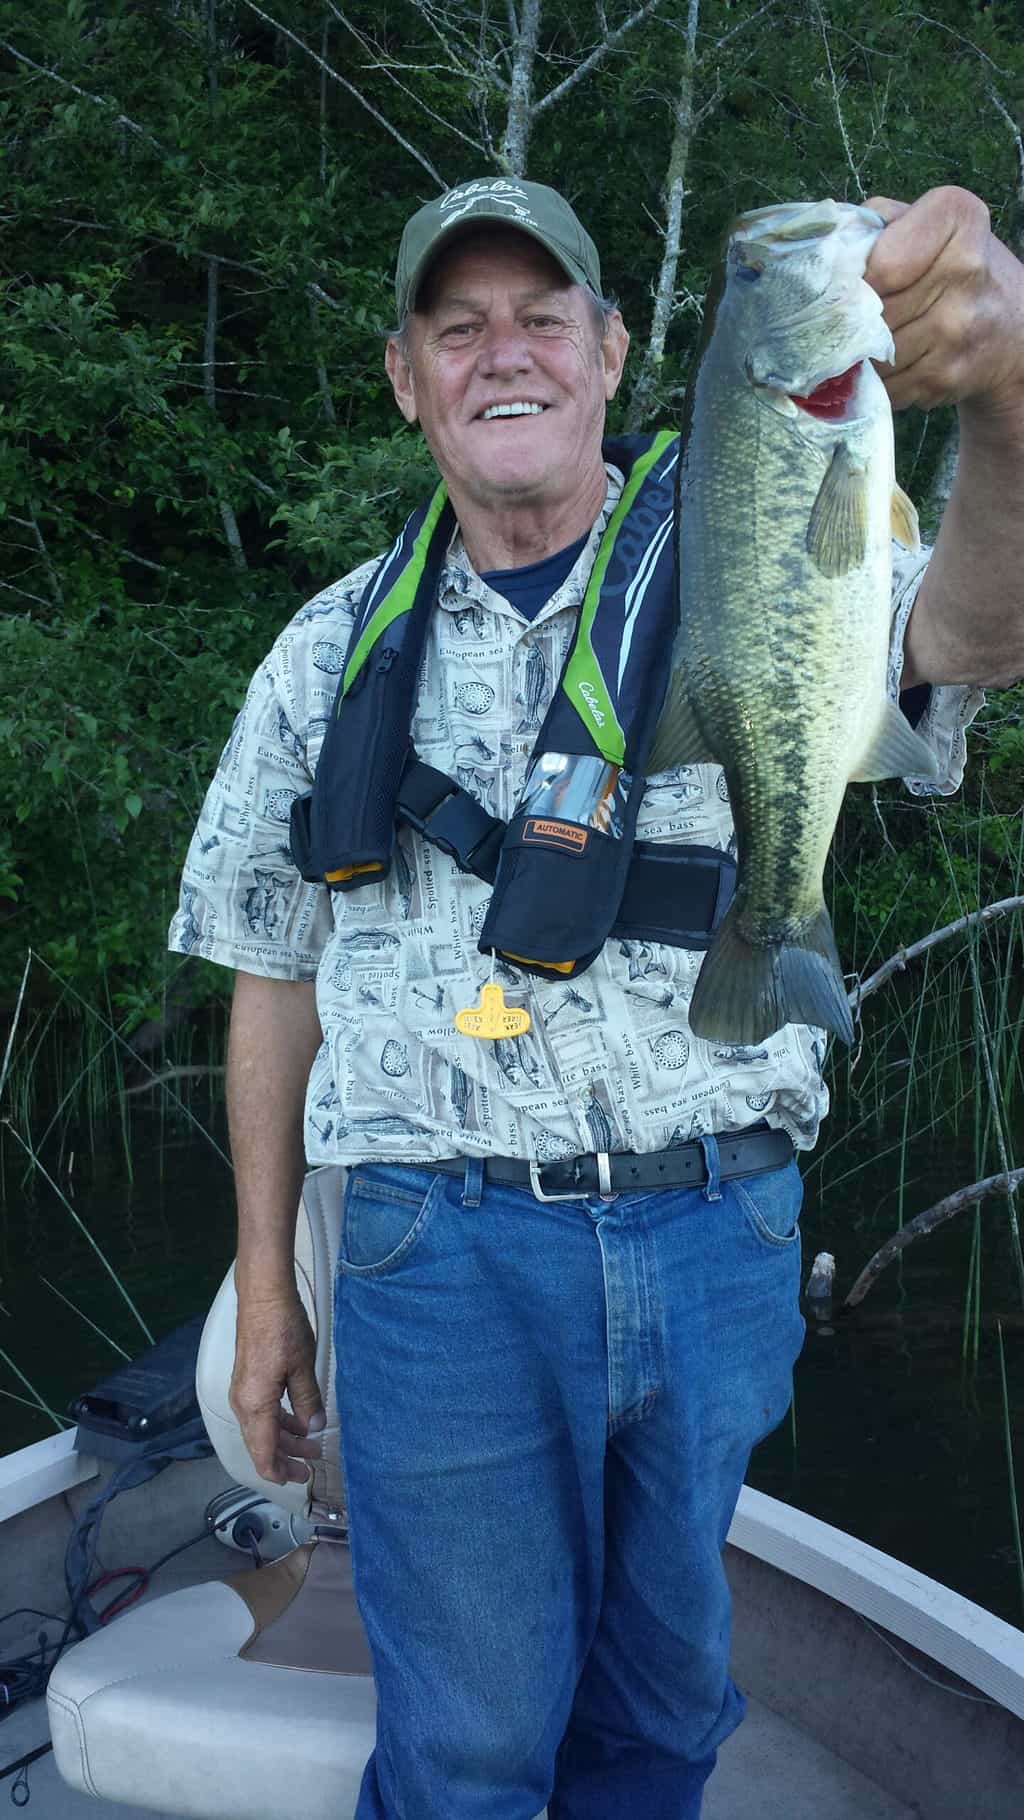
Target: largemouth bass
(786, 506)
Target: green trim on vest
(582, 682)
(399, 598)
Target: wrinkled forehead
(486, 255)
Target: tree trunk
(515, 144)
(323, 101)
(937, 498)
(642, 398)
(227, 515)
(322, 383)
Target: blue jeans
(546, 1415)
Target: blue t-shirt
(531, 587)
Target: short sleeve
(242, 901)
(950, 707)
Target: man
(567, 1295)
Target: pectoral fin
(895, 751)
(837, 531)
(903, 520)
(679, 739)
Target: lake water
(891, 1437)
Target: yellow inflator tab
(492, 1018)
(550, 966)
(335, 878)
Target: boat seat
(248, 1697)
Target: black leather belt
(570, 1178)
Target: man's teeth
(513, 410)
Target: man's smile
(518, 407)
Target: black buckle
(459, 826)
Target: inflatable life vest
(566, 868)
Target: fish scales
(786, 501)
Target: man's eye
(458, 329)
(543, 322)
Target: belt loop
(473, 1183)
(712, 1188)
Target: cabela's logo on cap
(467, 196)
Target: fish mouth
(831, 399)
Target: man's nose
(506, 349)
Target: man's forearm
(967, 624)
(275, 1034)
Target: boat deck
(794, 1777)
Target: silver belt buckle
(604, 1182)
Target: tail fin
(745, 993)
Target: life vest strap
(674, 894)
(450, 818)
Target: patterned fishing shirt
(609, 1062)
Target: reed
(1008, 1441)
(84, 1230)
(39, 1402)
(68, 1303)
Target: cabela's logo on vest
(587, 691)
(558, 834)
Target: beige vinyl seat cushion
(251, 1697)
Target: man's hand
(275, 1352)
(954, 300)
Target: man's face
(502, 325)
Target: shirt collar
(460, 586)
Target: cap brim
(498, 217)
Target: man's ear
(614, 348)
(399, 371)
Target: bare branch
(350, 89)
(1007, 1182)
(751, 19)
(122, 120)
(941, 26)
(478, 67)
(898, 962)
(25, 595)
(314, 290)
(1016, 237)
(387, 67)
(838, 104)
(597, 55)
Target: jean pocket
(771, 1203)
(387, 1210)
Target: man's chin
(518, 480)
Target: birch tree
(687, 118)
(227, 511)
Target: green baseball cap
(531, 208)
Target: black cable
(22, 1763)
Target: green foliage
(197, 432)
